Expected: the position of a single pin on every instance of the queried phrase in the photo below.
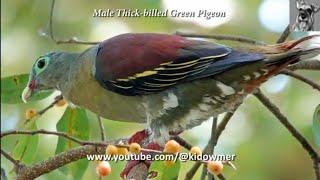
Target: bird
(170, 82)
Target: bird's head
(44, 75)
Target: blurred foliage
(264, 149)
(26, 146)
(316, 126)
(12, 87)
(75, 122)
(165, 172)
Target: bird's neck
(64, 64)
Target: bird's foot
(142, 138)
(139, 136)
(175, 133)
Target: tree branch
(222, 125)
(59, 160)
(73, 40)
(16, 163)
(284, 121)
(306, 65)
(211, 144)
(56, 99)
(222, 37)
(42, 131)
(301, 78)
(285, 34)
(182, 142)
(102, 134)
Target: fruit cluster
(31, 113)
(172, 147)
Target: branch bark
(102, 134)
(73, 40)
(285, 34)
(306, 65)
(59, 160)
(222, 37)
(285, 122)
(301, 78)
(16, 163)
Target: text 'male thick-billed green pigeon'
(171, 82)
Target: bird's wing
(138, 64)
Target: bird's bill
(26, 94)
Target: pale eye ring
(41, 63)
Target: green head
(46, 73)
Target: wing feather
(152, 70)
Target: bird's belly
(190, 104)
(107, 104)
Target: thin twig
(284, 35)
(220, 176)
(305, 144)
(222, 37)
(102, 134)
(10, 158)
(306, 65)
(212, 143)
(193, 170)
(73, 40)
(51, 21)
(42, 131)
(182, 142)
(208, 149)
(301, 78)
(222, 125)
(56, 99)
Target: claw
(139, 137)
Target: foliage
(165, 172)
(12, 87)
(75, 123)
(316, 126)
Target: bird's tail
(282, 55)
(293, 51)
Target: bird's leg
(143, 138)
(175, 133)
(139, 136)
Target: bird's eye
(41, 63)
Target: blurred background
(264, 149)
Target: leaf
(12, 87)
(165, 173)
(75, 123)
(316, 126)
(27, 145)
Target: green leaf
(12, 87)
(316, 126)
(27, 145)
(75, 123)
(165, 173)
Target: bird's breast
(83, 90)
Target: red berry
(103, 168)
(215, 167)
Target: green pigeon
(170, 82)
